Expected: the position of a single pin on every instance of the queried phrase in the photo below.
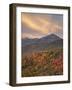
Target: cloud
(29, 35)
(40, 24)
(35, 25)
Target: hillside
(35, 45)
(43, 63)
(42, 57)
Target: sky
(35, 25)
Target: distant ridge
(49, 41)
(51, 35)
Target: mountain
(46, 39)
(49, 38)
(44, 43)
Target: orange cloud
(40, 24)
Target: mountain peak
(54, 35)
(51, 36)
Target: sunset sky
(35, 25)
